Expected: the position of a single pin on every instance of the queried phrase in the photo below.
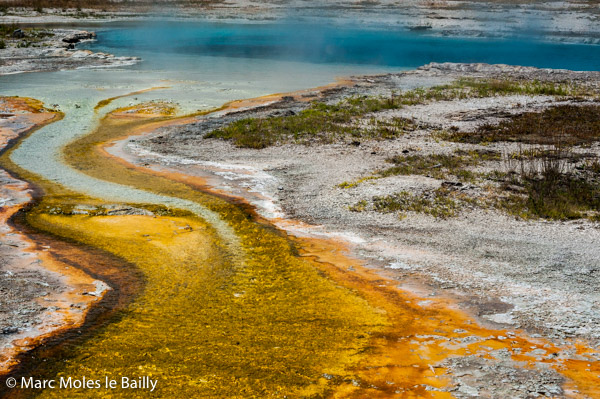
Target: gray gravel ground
(23, 279)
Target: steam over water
(162, 43)
(206, 64)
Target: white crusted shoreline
(45, 49)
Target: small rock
(10, 330)
(537, 352)
(450, 184)
(468, 390)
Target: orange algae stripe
(405, 357)
(76, 262)
(151, 109)
(69, 306)
(107, 101)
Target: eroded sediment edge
(31, 261)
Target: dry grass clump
(577, 124)
(549, 187)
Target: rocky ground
(536, 274)
(46, 49)
(23, 279)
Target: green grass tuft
(439, 166)
(438, 204)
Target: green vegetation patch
(327, 123)
(8, 29)
(491, 87)
(29, 36)
(480, 88)
(437, 203)
(320, 123)
(572, 124)
(439, 166)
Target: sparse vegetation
(8, 29)
(479, 88)
(327, 123)
(491, 87)
(439, 166)
(549, 187)
(593, 167)
(437, 203)
(347, 184)
(537, 184)
(577, 124)
(104, 5)
(540, 179)
(360, 206)
(29, 37)
(24, 44)
(322, 123)
(554, 196)
(39, 5)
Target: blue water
(159, 42)
(205, 64)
